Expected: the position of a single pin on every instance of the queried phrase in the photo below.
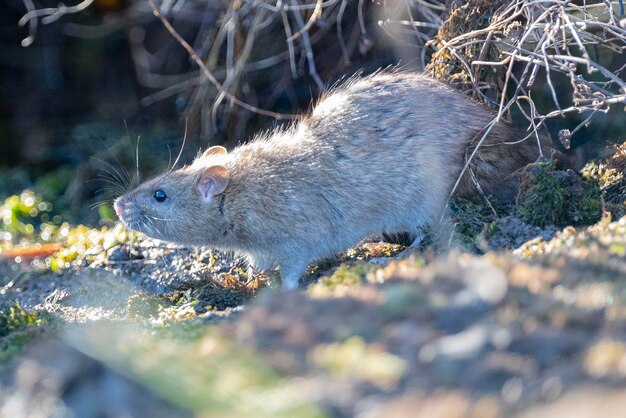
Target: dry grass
(500, 51)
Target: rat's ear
(216, 150)
(212, 181)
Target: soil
(528, 322)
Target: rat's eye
(159, 195)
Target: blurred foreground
(539, 332)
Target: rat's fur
(377, 154)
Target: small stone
(119, 253)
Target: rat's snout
(118, 208)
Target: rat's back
(377, 154)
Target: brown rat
(379, 154)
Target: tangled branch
(501, 50)
(559, 37)
(500, 63)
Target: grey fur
(377, 154)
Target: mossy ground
(560, 198)
(18, 327)
(609, 173)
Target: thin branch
(208, 73)
(317, 12)
(306, 42)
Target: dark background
(79, 103)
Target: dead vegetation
(503, 52)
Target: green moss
(591, 205)
(17, 327)
(106, 212)
(141, 305)
(491, 229)
(348, 274)
(470, 218)
(541, 196)
(226, 292)
(609, 174)
(53, 184)
(13, 318)
(561, 198)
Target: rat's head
(181, 206)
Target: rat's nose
(118, 208)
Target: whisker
(158, 219)
(151, 226)
(109, 200)
(181, 148)
(160, 233)
(137, 158)
(109, 191)
(130, 181)
(149, 221)
(113, 175)
(113, 172)
(108, 180)
(127, 181)
(169, 161)
(114, 188)
(124, 177)
(98, 204)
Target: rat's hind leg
(436, 235)
(428, 225)
(420, 235)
